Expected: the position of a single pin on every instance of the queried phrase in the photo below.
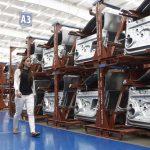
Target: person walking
(23, 84)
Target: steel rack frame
(105, 124)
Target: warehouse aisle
(53, 139)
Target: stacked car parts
(86, 105)
(63, 49)
(86, 47)
(65, 97)
(138, 109)
(49, 100)
(37, 51)
(137, 36)
(87, 100)
(48, 56)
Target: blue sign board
(25, 19)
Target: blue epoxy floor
(54, 139)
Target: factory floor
(136, 139)
(59, 139)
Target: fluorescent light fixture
(3, 3)
(10, 15)
(81, 2)
(41, 22)
(3, 22)
(12, 24)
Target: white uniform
(27, 100)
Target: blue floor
(54, 139)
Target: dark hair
(21, 66)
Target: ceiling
(44, 14)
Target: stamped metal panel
(37, 51)
(86, 105)
(137, 36)
(40, 93)
(138, 109)
(48, 56)
(69, 93)
(66, 38)
(49, 100)
(41, 83)
(85, 49)
(111, 21)
(36, 59)
(37, 48)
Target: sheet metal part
(49, 97)
(63, 49)
(48, 56)
(137, 36)
(85, 49)
(138, 109)
(37, 52)
(86, 105)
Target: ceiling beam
(63, 6)
(19, 34)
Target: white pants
(28, 100)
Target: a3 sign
(25, 19)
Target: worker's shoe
(15, 130)
(35, 134)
